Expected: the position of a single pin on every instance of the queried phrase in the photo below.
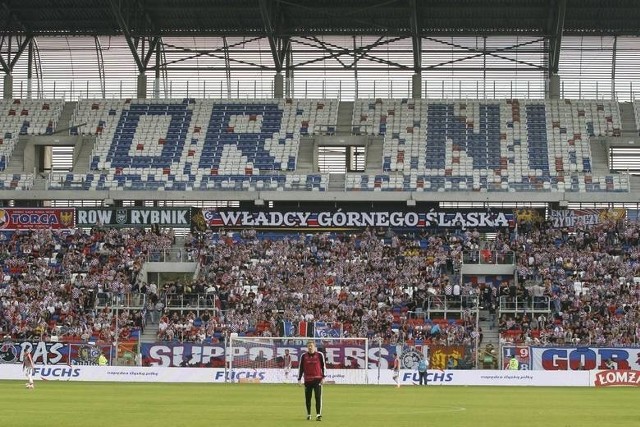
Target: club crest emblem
(121, 216)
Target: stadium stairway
(16, 163)
(150, 333)
(336, 182)
(345, 116)
(82, 161)
(599, 157)
(490, 333)
(64, 122)
(627, 119)
(374, 155)
(305, 154)
(634, 183)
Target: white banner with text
(335, 376)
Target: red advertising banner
(37, 218)
(617, 378)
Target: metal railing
(351, 129)
(485, 256)
(344, 89)
(57, 182)
(170, 255)
(129, 301)
(521, 304)
(194, 302)
(454, 304)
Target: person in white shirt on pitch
(28, 367)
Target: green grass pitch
(54, 403)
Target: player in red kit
(312, 368)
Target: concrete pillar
(47, 158)
(278, 86)
(416, 86)
(156, 88)
(553, 87)
(141, 88)
(7, 93)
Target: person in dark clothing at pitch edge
(312, 368)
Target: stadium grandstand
(458, 178)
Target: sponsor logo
(58, 372)
(617, 378)
(436, 377)
(239, 375)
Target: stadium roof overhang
(300, 25)
(285, 18)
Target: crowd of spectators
(590, 276)
(372, 283)
(579, 286)
(52, 279)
